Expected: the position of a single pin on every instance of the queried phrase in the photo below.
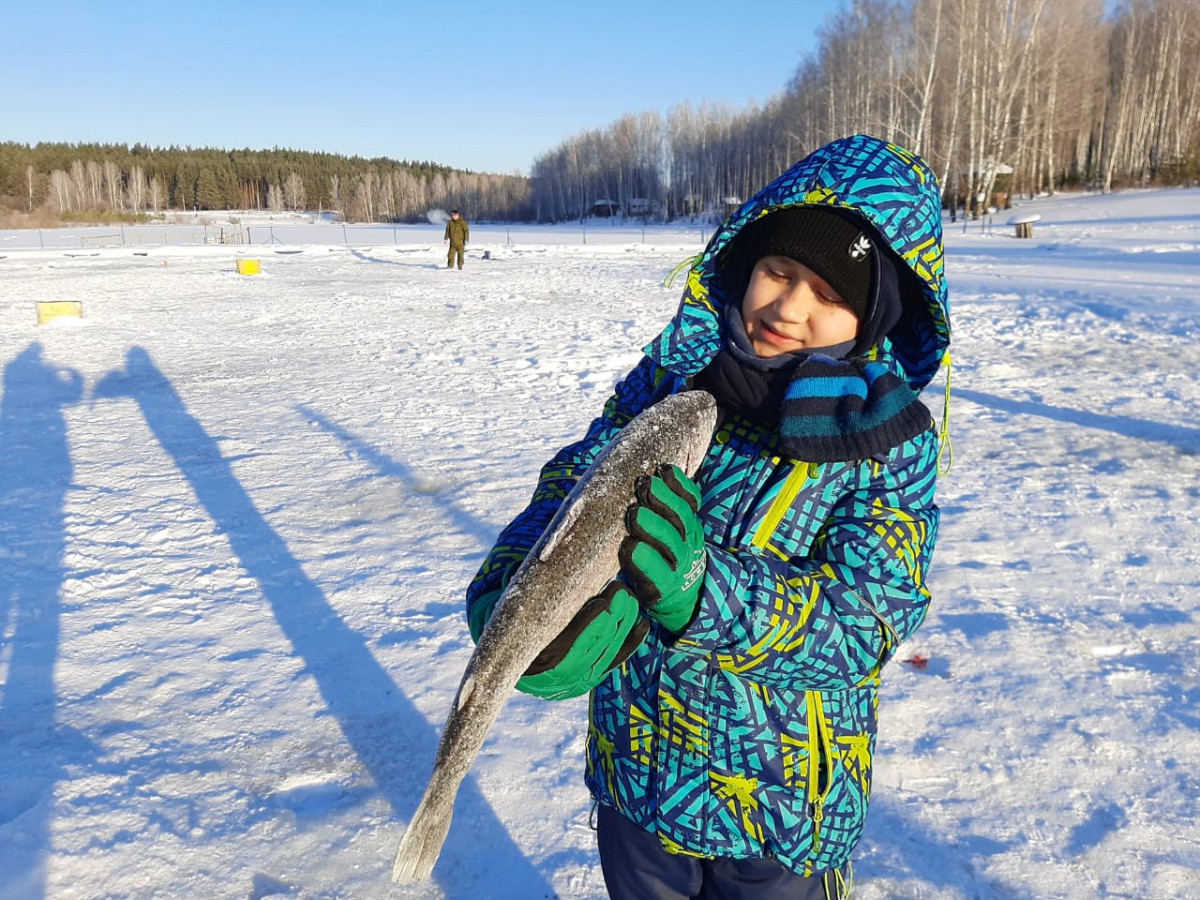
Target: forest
(1002, 97)
(53, 182)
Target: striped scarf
(847, 409)
(831, 409)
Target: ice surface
(238, 513)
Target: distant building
(605, 208)
(639, 207)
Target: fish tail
(422, 843)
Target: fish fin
(561, 527)
(465, 692)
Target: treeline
(999, 96)
(80, 180)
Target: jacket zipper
(801, 472)
(820, 762)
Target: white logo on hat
(860, 247)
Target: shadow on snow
(35, 475)
(898, 846)
(385, 730)
(1184, 439)
(388, 467)
(413, 262)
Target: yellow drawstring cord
(686, 264)
(945, 448)
(843, 883)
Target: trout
(571, 562)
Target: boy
(734, 664)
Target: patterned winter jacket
(751, 734)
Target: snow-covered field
(237, 515)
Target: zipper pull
(816, 811)
(945, 448)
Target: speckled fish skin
(573, 560)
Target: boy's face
(788, 307)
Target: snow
(238, 513)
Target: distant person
(458, 232)
(734, 662)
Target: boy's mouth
(776, 336)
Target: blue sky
(482, 86)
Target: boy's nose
(796, 302)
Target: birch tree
(156, 194)
(135, 189)
(62, 187)
(113, 186)
(1127, 41)
(293, 191)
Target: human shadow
(35, 475)
(385, 730)
(1182, 438)
(393, 468)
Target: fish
(572, 561)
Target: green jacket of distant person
(458, 232)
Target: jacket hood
(895, 193)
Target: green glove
(663, 555)
(600, 637)
(480, 611)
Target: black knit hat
(828, 243)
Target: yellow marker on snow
(49, 310)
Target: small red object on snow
(917, 661)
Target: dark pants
(636, 867)
(455, 249)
